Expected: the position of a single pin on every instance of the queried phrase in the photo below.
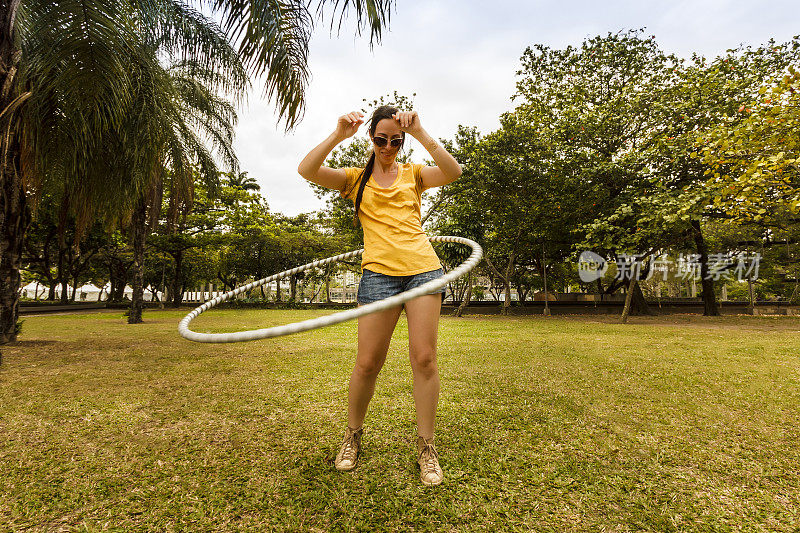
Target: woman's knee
(368, 367)
(424, 362)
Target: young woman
(397, 257)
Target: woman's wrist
(426, 140)
(337, 137)
(419, 134)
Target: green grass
(545, 424)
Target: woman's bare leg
(374, 334)
(423, 327)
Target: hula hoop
(329, 320)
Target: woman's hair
(384, 111)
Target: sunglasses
(380, 142)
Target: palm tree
(65, 82)
(62, 80)
(242, 182)
(157, 130)
(175, 110)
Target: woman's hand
(409, 121)
(348, 124)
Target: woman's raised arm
(311, 167)
(447, 169)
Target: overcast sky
(460, 58)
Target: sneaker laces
(350, 446)
(429, 457)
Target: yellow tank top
(394, 243)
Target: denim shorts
(375, 286)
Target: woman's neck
(385, 169)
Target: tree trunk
(639, 305)
(328, 283)
(112, 286)
(44, 269)
(113, 271)
(494, 293)
(14, 213)
(139, 231)
(177, 294)
(75, 269)
(167, 293)
(14, 220)
(315, 297)
(506, 281)
(628, 297)
(635, 302)
(710, 307)
(62, 270)
(292, 288)
(546, 311)
(118, 272)
(522, 293)
(163, 287)
(119, 290)
(465, 301)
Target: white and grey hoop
(336, 318)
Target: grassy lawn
(545, 424)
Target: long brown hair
(382, 112)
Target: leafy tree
(754, 157)
(452, 211)
(703, 96)
(198, 228)
(574, 149)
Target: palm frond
(374, 14)
(272, 38)
(188, 37)
(76, 53)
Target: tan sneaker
(430, 473)
(348, 454)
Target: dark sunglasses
(380, 142)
